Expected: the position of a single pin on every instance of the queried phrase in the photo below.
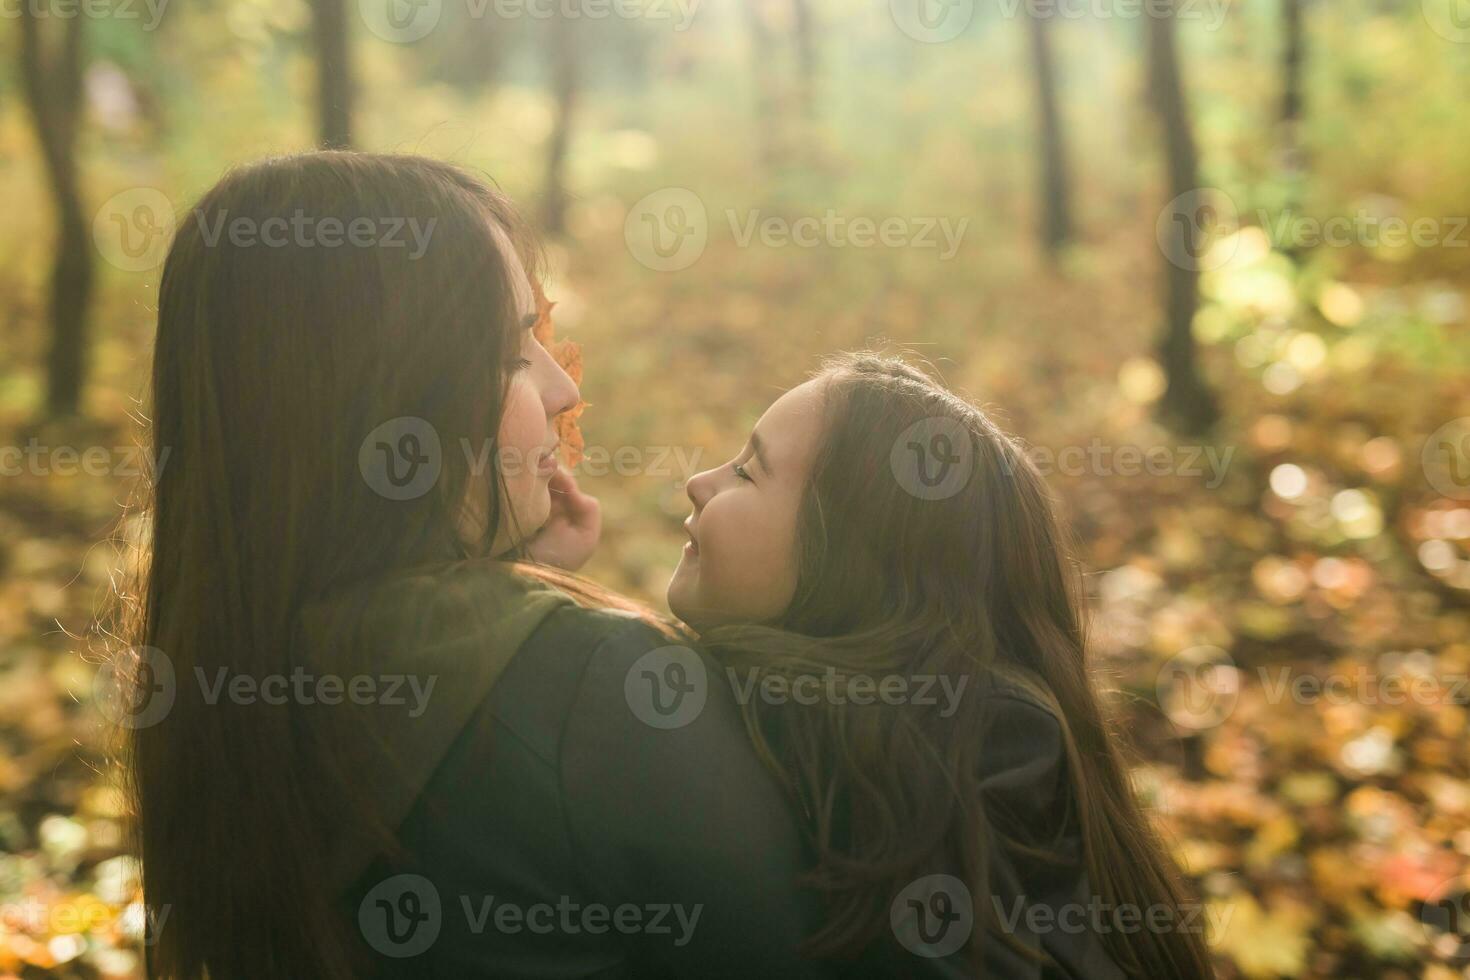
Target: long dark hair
(273, 362)
(970, 580)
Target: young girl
(882, 574)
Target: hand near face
(572, 530)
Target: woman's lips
(691, 547)
(548, 463)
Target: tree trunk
(334, 73)
(804, 35)
(1056, 204)
(1293, 157)
(1291, 61)
(53, 86)
(565, 83)
(767, 103)
(1188, 404)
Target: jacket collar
(429, 643)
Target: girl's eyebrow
(755, 444)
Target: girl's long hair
(277, 354)
(965, 579)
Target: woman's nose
(559, 393)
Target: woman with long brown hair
(371, 730)
(882, 575)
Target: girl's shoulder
(1024, 763)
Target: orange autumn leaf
(568, 354)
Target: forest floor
(1283, 612)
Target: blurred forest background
(1211, 264)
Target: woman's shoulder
(603, 691)
(572, 662)
(610, 762)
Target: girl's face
(740, 563)
(537, 391)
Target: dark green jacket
(550, 821)
(549, 830)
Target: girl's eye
(520, 364)
(740, 472)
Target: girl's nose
(700, 488)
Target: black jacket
(560, 834)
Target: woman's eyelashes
(740, 473)
(521, 361)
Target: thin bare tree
(335, 92)
(565, 88)
(1055, 187)
(1188, 403)
(769, 138)
(803, 34)
(51, 69)
(1293, 155)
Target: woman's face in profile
(537, 390)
